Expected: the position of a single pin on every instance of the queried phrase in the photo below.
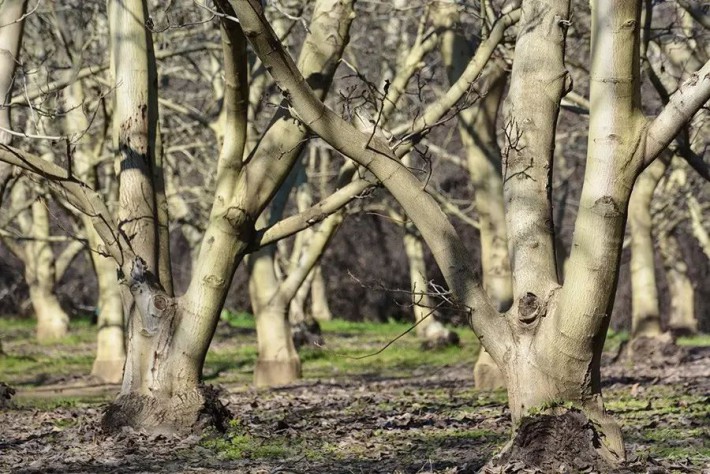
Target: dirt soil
(418, 419)
(433, 422)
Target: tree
(28, 209)
(549, 343)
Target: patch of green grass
(614, 339)
(238, 443)
(383, 349)
(698, 340)
(241, 319)
(59, 401)
(22, 367)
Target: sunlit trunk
(429, 330)
(682, 321)
(645, 310)
(478, 128)
(319, 296)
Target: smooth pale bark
(530, 118)
(10, 39)
(40, 274)
(169, 337)
(110, 348)
(645, 310)
(279, 149)
(278, 362)
(696, 223)
(52, 321)
(682, 320)
(478, 126)
(319, 296)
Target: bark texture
(645, 310)
(478, 126)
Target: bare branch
(689, 98)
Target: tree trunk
(52, 321)
(278, 362)
(645, 311)
(110, 344)
(478, 127)
(429, 330)
(319, 297)
(682, 321)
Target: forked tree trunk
(167, 338)
(40, 273)
(278, 362)
(478, 127)
(549, 343)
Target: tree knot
(529, 308)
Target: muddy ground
(429, 419)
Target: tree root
(565, 442)
(184, 412)
(6, 393)
(657, 351)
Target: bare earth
(431, 422)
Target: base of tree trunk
(563, 442)
(436, 336)
(486, 374)
(307, 334)
(108, 371)
(49, 333)
(6, 393)
(190, 411)
(683, 331)
(658, 350)
(273, 373)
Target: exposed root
(184, 412)
(655, 351)
(436, 336)
(6, 393)
(567, 442)
(307, 334)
